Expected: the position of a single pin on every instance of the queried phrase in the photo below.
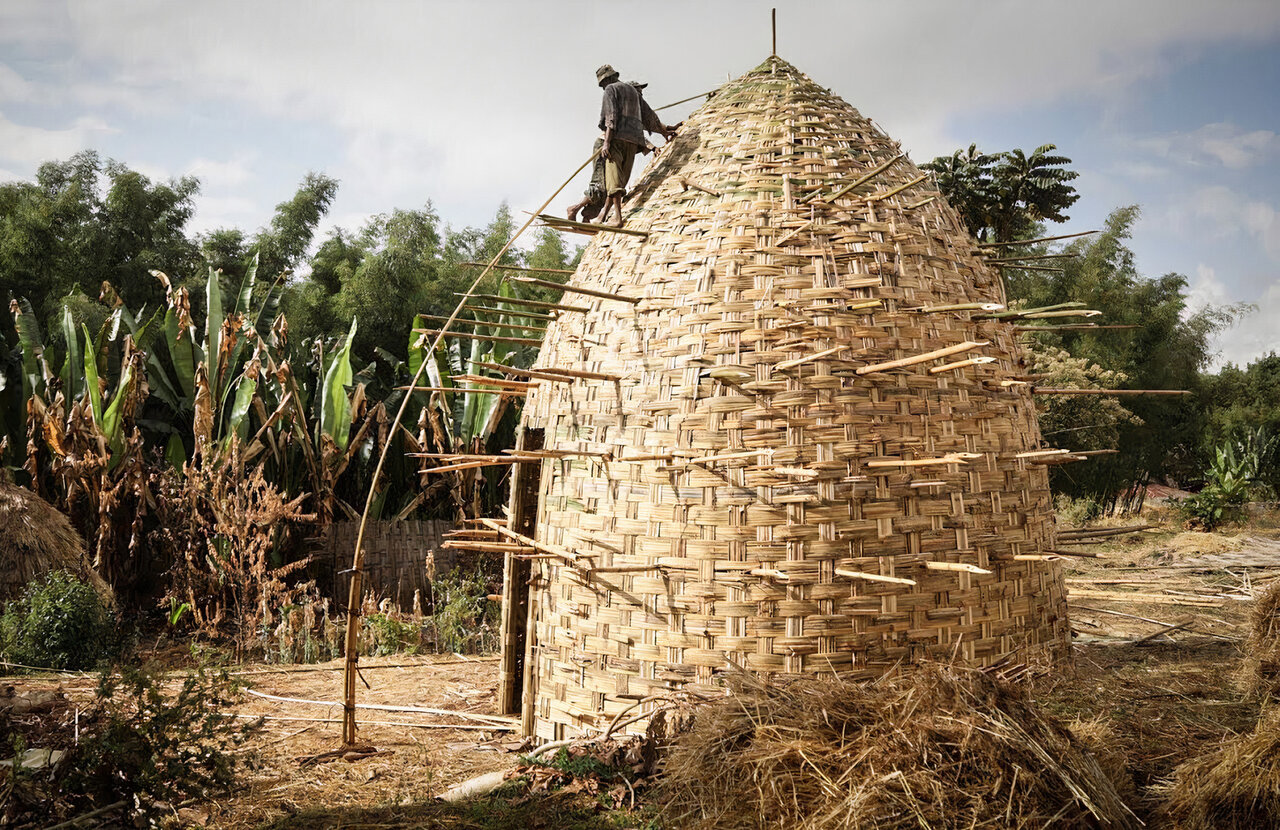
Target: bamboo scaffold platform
(808, 446)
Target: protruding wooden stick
(491, 381)
(922, 358)
(926, 200)
(545, 547)
(960, 364)
(1041, 453)
(1035, 268)
(1045, 390)
(935, 309)
(1034, 241)
(686, 184)
(529, 314)
(1015, 313)
(531, 303)
(562, 375)
(1030, 258)
(1076, 327)
(961, 567)
(520, 268)
(462, 390)
(950, 458)
(876, 197)
(472, 322)
(861, 180)
(590, 292)
(522, 341)
(896, 580)
(1085, 554)
(800, 361)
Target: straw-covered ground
(1160, 701)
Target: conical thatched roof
(36, 538)
(755, 489)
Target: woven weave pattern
(773, 482)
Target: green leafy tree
(1003, 197)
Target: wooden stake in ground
(357, 557)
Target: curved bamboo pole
(357, 558)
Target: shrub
(1076, 512)
(1223, 496)
(59, 622)
(463, 619)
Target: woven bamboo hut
(36, 538)
(789, 434)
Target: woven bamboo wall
(778, 481)
(400, 558)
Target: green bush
(1226, 489)
(463, 620)
(59, 622)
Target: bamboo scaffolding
(922, 358)
(354, 594)
(559, 222)
(572, 289)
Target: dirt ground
(1159, 698)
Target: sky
(1168, 104)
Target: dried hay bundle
(937, 747)
(1235, 788)
(36, 538)
(1262, 651)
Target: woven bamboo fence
(803, 446)
(401, 558)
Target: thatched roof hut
(36, 538)
(790, 452)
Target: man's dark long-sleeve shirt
(625, 112)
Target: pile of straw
(1235, 788)
(1262, 651)
(35, 538)
(938, 747)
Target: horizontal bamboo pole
(1105, 531)
(486, 547)
(922, 358)
(527, 314)
(1036, 257)
(896, 580)
(960, 364)
(462, 390)
(960, 567)
(1041, 453)
(1046, 390)
(461, 456)
(520, 268)
(624, 569)
(934, 309)
(590, 292)
(586, 227)
(1076, 327)
(1015, 313)
(1083, 554)
(491, 325)
(949, 458)
(1033, 241)
(522, 341)
(491, 381)
(470, 465)
(926, 200)
(876, 197)
(563, 375)
(498, 298)
(1035, 268)
(554, 550)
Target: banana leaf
(213, 330)
(73, 369)
(335, 406)
(113, 419)
(94, 391)
(33, 372)
(182, 351)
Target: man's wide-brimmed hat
(605, 71)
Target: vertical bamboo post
(351, 666)
(515, 576)
(773, 17)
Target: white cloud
(1256, 334)
(1206, 289)
(26, 145)
(1217, 213)
(1218, 144)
